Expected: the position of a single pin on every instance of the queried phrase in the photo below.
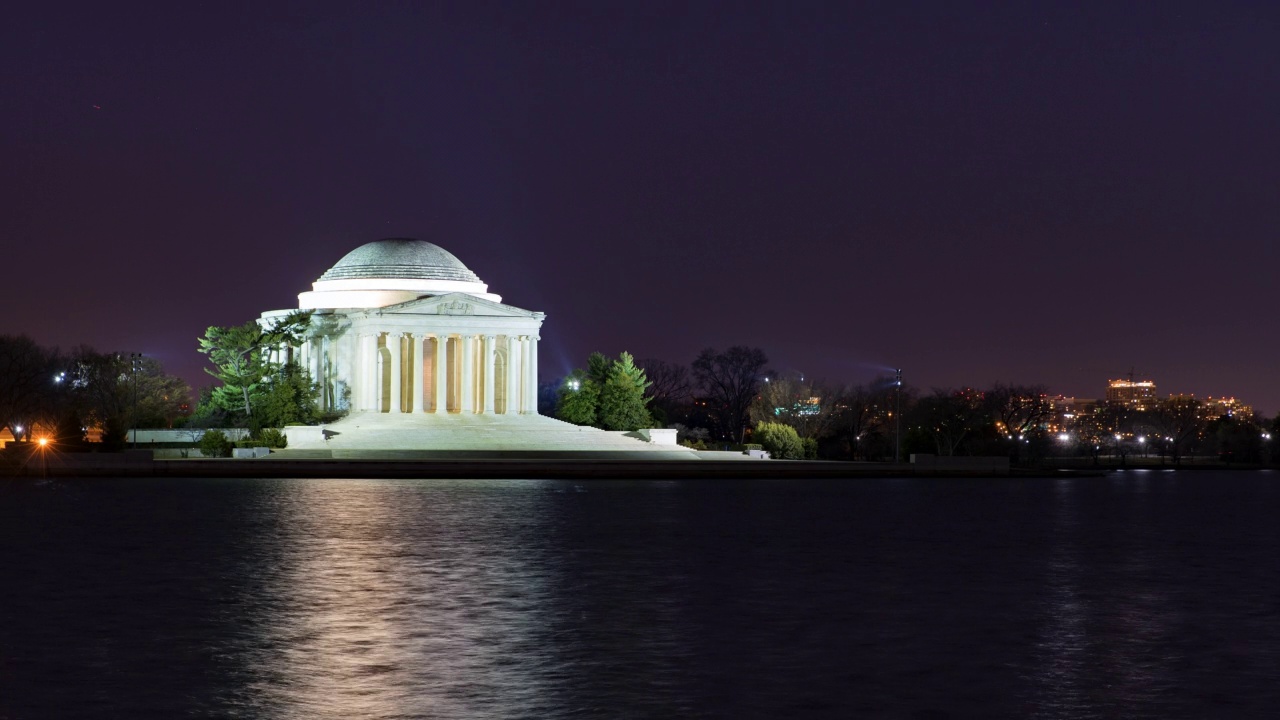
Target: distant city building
(1212, 408)
(1132, 394)
(1068, 412)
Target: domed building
(401, 326)
(410, 344)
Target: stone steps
(471, 434)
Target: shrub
(752, 446)
(214, 444)
(780, 440)
(810, 446)
(115, 436)
(272, 438)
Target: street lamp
(897, 416)
(135, 359)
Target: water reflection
(1061, 654)
(1131, 596)
(390, 601)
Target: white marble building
(401, 326)
(425, 360)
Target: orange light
(43, 441)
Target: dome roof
(401, 259)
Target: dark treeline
(57, 396)
(730, 398)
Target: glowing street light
(897, 417)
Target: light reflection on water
(1137, 595)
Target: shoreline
(132, 465)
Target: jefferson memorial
(412, 345)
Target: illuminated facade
(1132, 394)
(1212, 408)
(402, 326)
(412, 346)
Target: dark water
(1142, 595)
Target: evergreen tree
(577, 400)
(239, 365)
(622, 399)
(598, 367)
(241, 358)
(288, 398)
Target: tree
(805, 406)
(780, 440)
(609, 394)
(863, 417)
(622, 399)
(1235, 439)
(730, 380)
(1181, 421)
(1018, 414)
(241, 357)
(949, 418)
(578, 400)
(28, 391)
(116, 391)
(238, 364)
(287, 397)
(670, 388)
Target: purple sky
(1030, 192)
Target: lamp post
(134, 360)
(897, 418)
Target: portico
(402, 327)
(431, 371)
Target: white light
(17, 428)
(1118, 438)
(1064, 437)
(1142, 440)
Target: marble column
(369, 369)
(440, 373)
(468, 404)
(513, 374)
(530, 375)
(320, 359)
(490, 356)
(394, 349)
(419, 387)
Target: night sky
(1026, 192)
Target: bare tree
(807, 407)
(27, 383)
(670, 387)
(1017, 410)
(950, 418)
(863, 416)
(1178, 422)
(730, 380)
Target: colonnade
(432, 373)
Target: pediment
(456, 304)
